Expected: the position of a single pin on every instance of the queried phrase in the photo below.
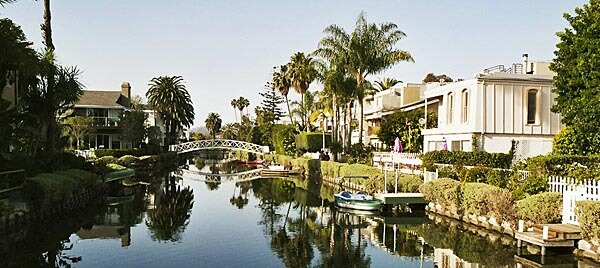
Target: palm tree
(235, 105)
(46, 27)
(281, 82)
(369, 49)
(213, 124)
(168, 95)
(242, 103)
(4, 2)
(384, 84)
(230, 131)
(305, 108)
(302, 73)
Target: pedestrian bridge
(219, 144)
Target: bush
(501, 205)
(312, 142)
(541, 208)
(561, 165)
(461, 158)
(361, 154)
(474, 198)
(51, 188)
(284, 139)
(409, 183)
(147, 150)
(445, 192)
(115, 167)
(127, 160)
(588, 215)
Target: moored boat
(359, 200)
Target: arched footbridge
(219, 144)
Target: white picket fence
(430, 175)
(573, 191)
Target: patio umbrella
(398, 145)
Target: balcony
(105, 121)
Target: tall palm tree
(305, 108)
(369, 49)
(213, 124)
(168, 95)
(4, 2)
(282, 83)
(235, 105)
(242, 104)
(46, 27)
(302, 73)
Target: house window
(450, 107)
(465, 106)
(532, 106)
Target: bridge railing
(219, 144)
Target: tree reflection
(171, 212)
(242, 199)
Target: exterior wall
(528, 146)
(411, 93)
(105, 134)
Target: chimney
(525, 63)
(126, 90)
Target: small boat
(359, 200)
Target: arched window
(532, 106)
(465, 106)
(450, 107)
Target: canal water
(186, 220)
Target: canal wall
(488, 223)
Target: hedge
(312, 142)
(471, 198)
(578, 166)
(50, 188)
(461, 158)
(541, 208)
(127, 160)
(588, 215)
(149, 150)
(445, 192)
(284, 138)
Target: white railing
(84, 153)
(573, 190)
(219, 144)
(397, 158)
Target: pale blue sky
(225, 48)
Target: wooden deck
(558, 235)
(401, 198)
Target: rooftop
(98, 98)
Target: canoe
(359, 200)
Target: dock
(401, 198)
(550, 235)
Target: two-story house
(497, 106)
(396, 99)
(104, 107)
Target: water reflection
(170, 215)
(277, 222)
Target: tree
(430, 77)
(243, 103)
(407, 127)
(369, 49)
(305, 109)
(78, 128)
(133, 128)
(168, 95)
(302, 73)
(230, 131)
(270, 103)
(46, 27)
(213, 124)
(576, 83)
(4, 2)
(281, 82)
(154, 134)
(17, 58)
(235, 104)
(385, 84)
(56, 90)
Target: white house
(494, 108)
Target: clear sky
(225, 49)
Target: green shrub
(105, 160)
(50, 188)
(562, 165)
(501, 205)
(312, 142)
(147, 150)
(115, 167)
(541, 208)
(462, 158)
(474, 197)
(127, 160)
(588, 215)
(409, 183)
(284, 139)
(445, 192)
